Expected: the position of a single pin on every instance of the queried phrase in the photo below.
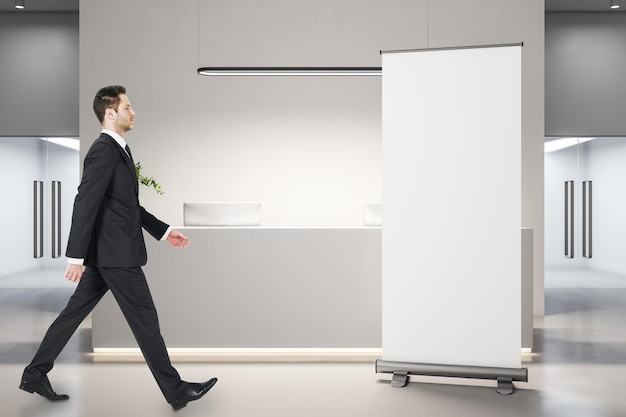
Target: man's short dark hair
(107, 98)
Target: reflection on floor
(52, 277)
(578, 369)
(582, 278)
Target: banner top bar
(395, 51)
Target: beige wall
(308, 149)
(493, 21)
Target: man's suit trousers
(130, 290)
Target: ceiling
(40, 6)
(582, 6)
(551, 6)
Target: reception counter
(255, 288)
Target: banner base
(402, 370)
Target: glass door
(585, 202)
(38, 179)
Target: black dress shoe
(194, 391)
(42, 387)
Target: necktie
(128, 152)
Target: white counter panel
(260, 288)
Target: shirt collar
(120, 140)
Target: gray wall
(308, 149)
(39, 74)
(307, 33)
(585, 67)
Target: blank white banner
(452, 206)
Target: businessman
(106, 237)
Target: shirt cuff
(167, 232)
(75, 261)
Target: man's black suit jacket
(107, 218)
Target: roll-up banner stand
(452, 206)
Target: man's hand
(177, 239)
(73, 272)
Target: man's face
(125, 115)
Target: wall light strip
(246, 354)
(290, 71)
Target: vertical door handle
(37, 219)
(56, 219)
(587, 219)
(569, 219)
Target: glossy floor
(578, 369)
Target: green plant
(147, 181)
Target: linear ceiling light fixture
(615, 4)
(19, 4)
(289, 71)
